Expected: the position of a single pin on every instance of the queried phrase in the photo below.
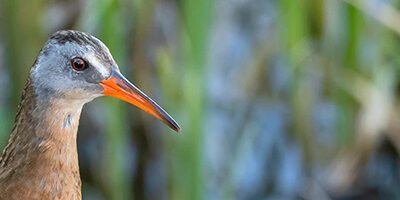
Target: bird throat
(41, 160)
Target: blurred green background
(277, 99)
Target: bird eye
(78, 64)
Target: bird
(40, 160)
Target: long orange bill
(119, 87)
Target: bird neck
(41, 154)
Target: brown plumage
(41, 160)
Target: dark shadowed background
(277, 99)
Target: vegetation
(280, 99)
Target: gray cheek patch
(90, 75)
(93, 76)
(53, 74)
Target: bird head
(78, 67)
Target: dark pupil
(79, 64)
